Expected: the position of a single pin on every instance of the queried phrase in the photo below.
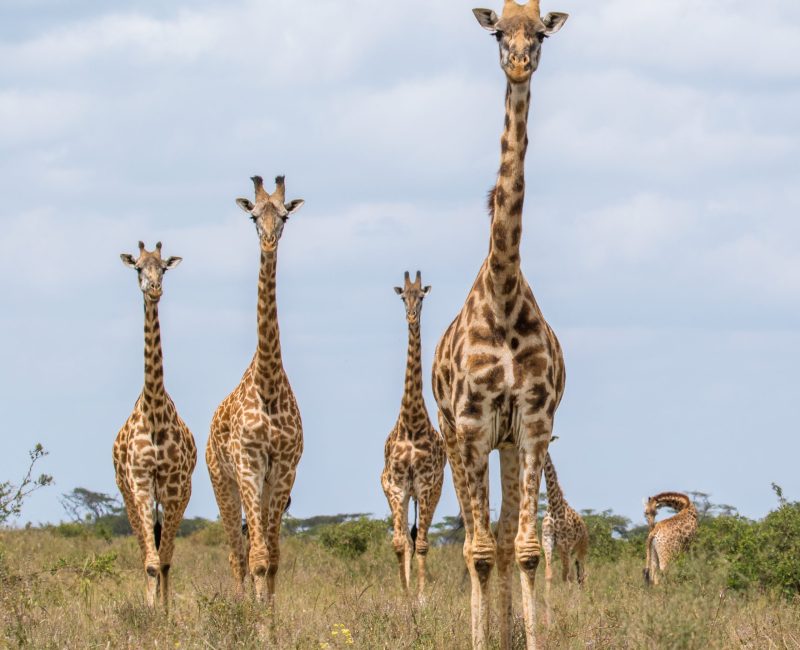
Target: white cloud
(39, 116)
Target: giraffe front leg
(564, 553)
(462, 494)
(229, 502)
(140, 478)
(548, 544)
(484, 550)
(251, 487)
(173, 514)
(398, 504)
(426, 502)
(534, 439)
(506, 532)
(275, 503)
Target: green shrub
(606, 532)
(352, 538)
(211, 535)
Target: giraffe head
(650, 510)
(151, 269)
(270, 212)
(520, 32)
(413, 293)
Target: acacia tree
(13, 496)
(82, 505)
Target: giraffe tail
(157, 529)
(414, 530)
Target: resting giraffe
(256, 437)
(562, 529)
(669, 537)
(414, 452)
(498, 371)
(154, 453)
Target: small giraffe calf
(562, 529)
(669, 537)
(154, 453)
(414, 451)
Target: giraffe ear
(487, 19)
(127, 260)
(426, 290)
(171, 262)
(293, 206)
(245, 205)
(398, 291)
(554, 21)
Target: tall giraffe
(154, 452)
(256, 437)
(498, 372)
(668, 537)
(414, 451)
(562, 529)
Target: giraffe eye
(498, 35)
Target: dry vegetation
(85, 592)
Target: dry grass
(58, 593)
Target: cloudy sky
(661, 234)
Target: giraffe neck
(412, 408)
(509, 193)
(555, 498)
(153, 361)
(674, 500)
(269, 366)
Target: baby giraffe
(564, 530)
(154, 453)
(668, 537)
(414, 452)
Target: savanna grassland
(62, 589)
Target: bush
(606, 534)
(352, 538)
(763, 554)
(12, 497)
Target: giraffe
(154, 452)
(562, 529)
(414, 452)
(669, 537)
(256, 436)
(498, 372)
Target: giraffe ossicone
(154, 452)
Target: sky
(661, 233)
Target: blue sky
(660, 234)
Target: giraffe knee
(421, 546)
(399, 543)
(528, 559)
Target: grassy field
(84, 592)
